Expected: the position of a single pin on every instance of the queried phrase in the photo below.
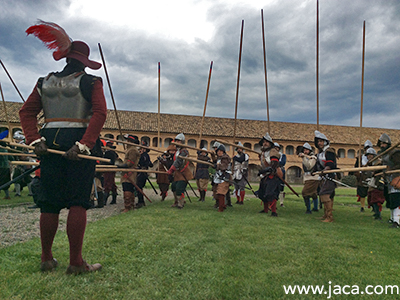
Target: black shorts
(65, 183)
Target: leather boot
(106, 195)
(221, 203)
(228, 199)
(163, 195)
(114, 198)
(128, 203)
(176, 200)
(100, 200)
(329, 208)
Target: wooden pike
(197, 161)
(237, 82)
(190, 147)
(317, 65)
(373, 168)
(62, 152)
(388, 172)
(205, 104)
(5, 109)
(103, 169)
(12, 81)
(159, 106)
(265, 69)
(17, 154)
(137, 145)
(235, 145)
(362, 96)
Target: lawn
(159, 252)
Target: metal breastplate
(265, 159)
(321, 159)
(63, 102)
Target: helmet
(221, 147)
(132, 138)
(277, 145)
(18, 135)
(320, 136)
(267, 138)
(367, 143)
(239, 144)
(307, 146)
(216, 144)
(180, 137)
(204, 149)
(370, 151)
(384, 138)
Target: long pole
(205, 104)
(317, 63)
(111, 93)
(265, 69)
(5, 109)
(237, 84)
(12, 81)
(159, 105)
(362, 95)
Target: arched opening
(351, 153)
(289, 150)
(155, 143)
(294, 175)
(247, 145)
(2, 129)
(145, 139)
(257, 147)
(204, 144)
(109, 135)
(253, 173)
(192, 143)
(167, 142)
(341, 153)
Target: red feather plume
(53, 36)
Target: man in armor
(240, 173)
(144, 164)
(221, 177)
(326, 160)
(392, 188)
(181, 171)
(109, 177)
(375, 185)
(362, 186)
(202, 176)
(165, 162)
(282, 163)
(128, 179)
(74, 113)
(270, 174)
(311, 182)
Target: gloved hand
(72, 153)
(41, 148)
(265, 171)
(171, 170)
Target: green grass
(159, 252)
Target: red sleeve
(28, 116)
(99, 108)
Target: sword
(336, 181)
(147, 178)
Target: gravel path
(19, 223)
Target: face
(320, 143)
(239, 150)
(306, 151)
(203, 153)
(370, 156)
(267, 144)
(178, 141)
(384, 145)
(220, 152)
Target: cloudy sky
(186, 35)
